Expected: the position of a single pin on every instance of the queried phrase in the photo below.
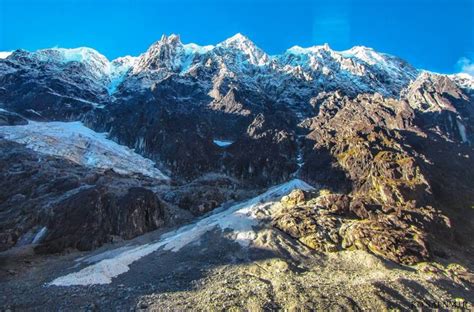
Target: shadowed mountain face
(390, 143)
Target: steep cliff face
(58, 204)
(396, 156)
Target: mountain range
(357, 153)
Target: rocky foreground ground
(220, 270)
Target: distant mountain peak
(237, 38)
(239, 42)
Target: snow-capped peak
(365, 54)
(97, 63)
(243, 44)
(163, 54)
(113, 72)
(237, 57)
(171, 39)
(237, 39)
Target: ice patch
(240, 219)
(223, 143)
(77, 143)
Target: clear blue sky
(430, 34)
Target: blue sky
(432, 34)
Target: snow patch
(77, 143)
(240, 219)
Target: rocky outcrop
(206, 193)
(332, 222)
(390, 155)
(96, 215)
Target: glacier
(81, 145)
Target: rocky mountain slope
(97, 151)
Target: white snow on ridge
(464, 80)
(77, 143)
(112, 71)
(240, 219)
(365, 54)
(191, 48)
(5, 54)
(81, 54)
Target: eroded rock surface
(331, 222)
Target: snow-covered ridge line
(77, 143)
(240, 219)
(118, 67)
(5, 54)
(238, 41)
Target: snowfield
(240, 219)
(79, 144)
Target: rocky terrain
(156, 161)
